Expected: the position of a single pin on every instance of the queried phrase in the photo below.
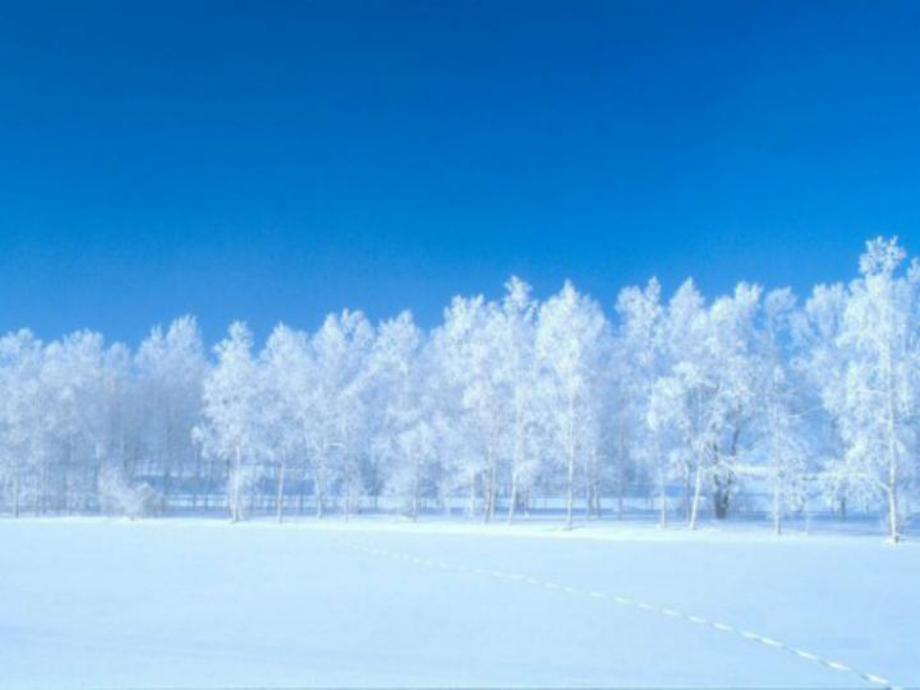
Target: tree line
(688, 401)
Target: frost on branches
(683, 407)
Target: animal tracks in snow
(673, 613)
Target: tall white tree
(879, 406)
(708, 398)
(170, 369)
(572, 345)
(405, 435)
(285, 376)
(641, 359)
(679, 402)
(518, 374)
(820, 368)
(465, 348)
(23, 428)
(83, 379)
(340, 351)
(232, 427)
(781, 416)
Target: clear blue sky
(275, 161)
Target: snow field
(203, 604)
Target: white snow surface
(204, 604)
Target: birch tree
(516, 353)
(340, 350)
(405, 435)
(572, 344)
(170, 369)
(22, 422)
(465, 350)
(232, 410)
(781, 416)
(881, 386)
(820, 367)
(641, 358)
(284, 374)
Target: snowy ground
(200, 603)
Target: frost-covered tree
(820, 369)
(465, 348)
(405, 435)
(285, 377)
(503, 400)
(83, 379)
(641, 359)
(23, 427)
(340, 351)
(780, 414)
(170, 369)
(519, 376)
(879, 404)
(572, 346)
(733, 361)
(680, 400)
(233, 425)
(708, 397)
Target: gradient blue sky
(275, 161)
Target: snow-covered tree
(780, 413)
(405, 435)
(23, 427)
(641, 358)
(820, 369)
(340, 351)
(572, 345)
(879, 405)
(233, 424)
(708, 397)
(285, 377)
(518, 373)
(465, 348)
(170, 371)
(83, 380)
(503, 400)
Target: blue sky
(276, 161)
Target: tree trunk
(571, 493)
(589, 499)
(777, 508)
(302, 488)
(894, 528)
(197, 486)
(207, 482)
(416, 491)
(694, 511)
(237, 500)
(571, 487)
(319, 490)
(663, 498)
(490, 492)
(721, 497)
(894, 531)
(512, 505)
(17, 478)
(279, 499)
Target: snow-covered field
(199, 603)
